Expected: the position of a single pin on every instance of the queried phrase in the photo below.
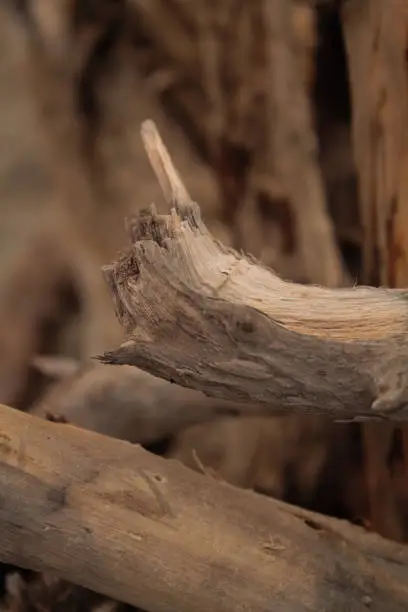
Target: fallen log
(208, 318)
(120, 521)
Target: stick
(113, 518)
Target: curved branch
(211, 319)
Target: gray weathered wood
(214, 320)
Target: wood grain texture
(209, 318)
(111, 517)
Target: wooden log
(113, 518)
(216, 321)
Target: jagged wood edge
(214, 320)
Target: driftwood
(211, 319)
(113, 518)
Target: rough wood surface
(208, 318)
(113, 518)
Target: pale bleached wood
(113, 518)
(211, 319)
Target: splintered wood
(208, 318)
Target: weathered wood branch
(216, 321)
(113, 518)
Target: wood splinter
(209, 318)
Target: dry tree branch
(216, 321)
(113, 518)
